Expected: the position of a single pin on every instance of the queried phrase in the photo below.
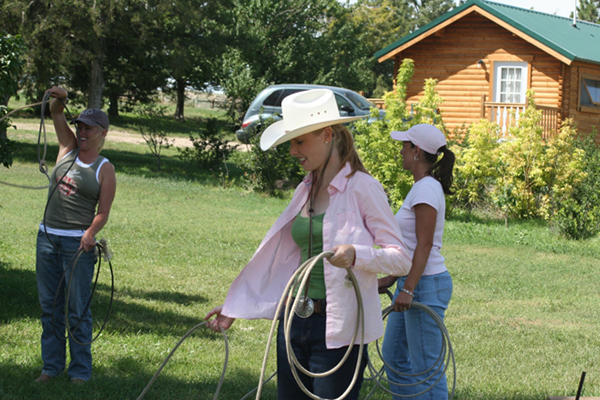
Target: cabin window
(589, 92)
(510, 82)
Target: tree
(299, 41)
(133, 66)
(11, 63)
(385, 21)
(192, 39)
(425, 11)
(89, 47)
(589, 10)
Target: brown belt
(319, 306)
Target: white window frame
(523, 68)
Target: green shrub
(272, 171)
(577, 216)
(379, 152)
(476, 167)
(564, 168)
(209, 148)
(155, 137)
(520, 165)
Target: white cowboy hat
(304, 112)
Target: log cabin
(485, 55)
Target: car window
(341, 101)
(286, 93)
(272, 99)
(360, 101)
(275, 99)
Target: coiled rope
(445, 358)
(302, 273)
(287, 300)
(103, 253)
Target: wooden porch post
(482, 111)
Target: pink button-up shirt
(358, 214)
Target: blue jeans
(413, 341)
(308, 343)
(51, 265)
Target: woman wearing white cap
(349, 215)
(413, 341)
(79, 202)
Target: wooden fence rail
(508, 114)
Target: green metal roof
(580, 42)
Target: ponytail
(441, 169)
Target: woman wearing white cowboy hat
(349, 215)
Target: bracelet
(408, 291)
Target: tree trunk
(113, 108)
(96, 84)
(180, 99)
(4, 101)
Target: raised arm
(67, 140)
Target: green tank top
(73, 204)
(300, 229)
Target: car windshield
(360, 101)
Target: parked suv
(269, 100)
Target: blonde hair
(101, 145)
(344, 142)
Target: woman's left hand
(87, 242)
(344, 256)
(403, 302)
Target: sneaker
(77, 381)
(43, 378)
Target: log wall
(451, 56)
(586, 119)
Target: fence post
(482, 111)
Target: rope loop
(302, 274)
(43, 167)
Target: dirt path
(121, 136)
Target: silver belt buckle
(305, 307)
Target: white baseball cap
(426, 136)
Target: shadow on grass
(18, 296)
(139, 164)
(126, 380)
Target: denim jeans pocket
(444, 286)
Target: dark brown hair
(441, 169)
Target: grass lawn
(524, 318)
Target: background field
(523, 320)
